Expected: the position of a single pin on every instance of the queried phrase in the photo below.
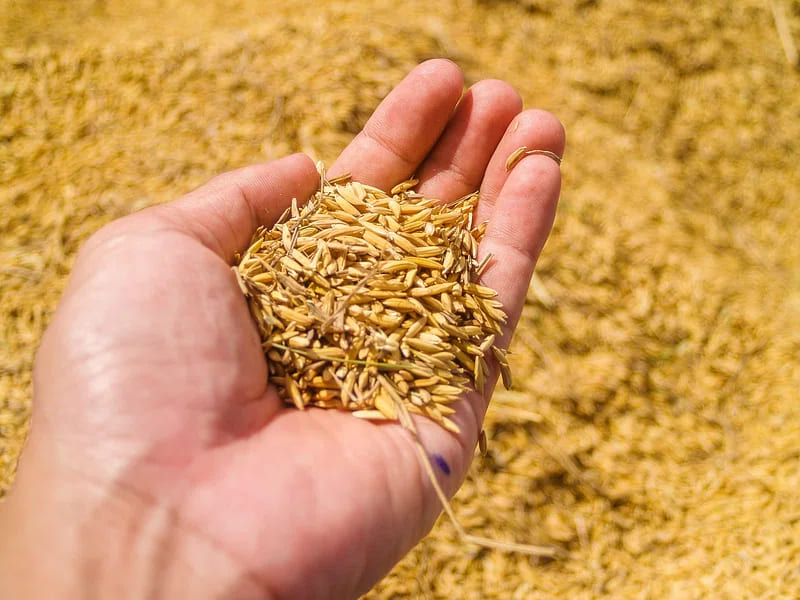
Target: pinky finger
(517, 231)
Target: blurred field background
(654, 431)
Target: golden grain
(363, 282)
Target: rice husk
(365, 300)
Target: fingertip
(499, 93)
(535, 129)
(305, 171)
(302, 162)
(444, 70)
(272, 185)
(542, 126)
(444, 80)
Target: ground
(653, 429)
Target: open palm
(155, 429)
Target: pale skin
(160, 462)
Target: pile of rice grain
(365, 300)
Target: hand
(160, 463)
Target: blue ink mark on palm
(441, 463)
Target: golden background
(654, 431)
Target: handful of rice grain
(366, 301)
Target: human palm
(155, 429)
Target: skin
(160, 462)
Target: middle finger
(457, 163)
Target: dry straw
(369, 302)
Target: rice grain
(371, 300)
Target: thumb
(224, 213)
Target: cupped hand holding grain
(162, 464)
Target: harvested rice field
(653, 430)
